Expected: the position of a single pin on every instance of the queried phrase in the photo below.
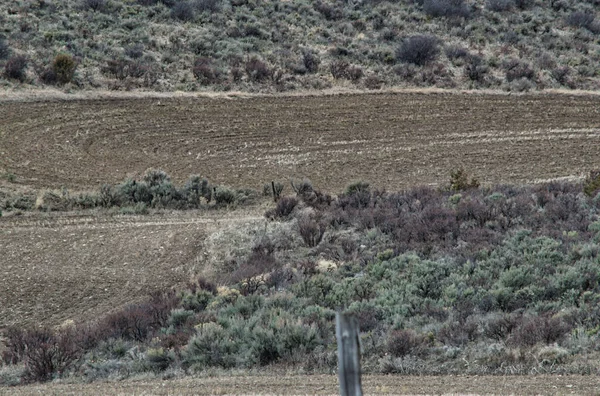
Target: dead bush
(15, 67)
(311, 231)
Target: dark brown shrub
(310, 61)
(64, 67)
(539, 329)
(257, 70)
(500, 327)
(418, 50)
(204, 71)
(94, 5)
(339, 69)
(4, 49)
(446, 8)
(401, 343)
(44, 353)
(204, 284)
(580, 19)
(500, 5)
(458, 334)
(15, 67)
(183, 11)
(285, 206)
(515, 70)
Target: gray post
(348, 354)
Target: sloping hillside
(259, 45)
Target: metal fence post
(348, 342)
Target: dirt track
(392, 140)
(327, 385)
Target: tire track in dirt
(390, 139)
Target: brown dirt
(327, 385)
(392, 139)
(59, 267)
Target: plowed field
(328, 385)
(391, 140)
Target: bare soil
(327, 385)
(392, 140)
(56, 267)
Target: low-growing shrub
(94, 5)
(515, 70)
(418, 50)
(204, 71)
(285, 206)
(311, 231)
(581, 19)
(183, 11)
(4, 49)
(15, 67)
(446, 8)
(339, 69)
(500, 5)
(224, 195)
(591, 185)
(64, 67)
(311, 61)
(459, 180)
(257, 70)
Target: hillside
(258, 45)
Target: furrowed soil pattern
(392, 140)
(59, 267)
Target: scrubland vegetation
(462, 279)
(259, 45)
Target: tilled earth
(328, 385)
(58, 267)
(392, 140)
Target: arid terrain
(327, 385)
(78, 265)
(390, 140)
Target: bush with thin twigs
(15, 67)
(63, 67)
(418, 50)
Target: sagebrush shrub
(339, 69)
(580, 19)
(500, 5)
(404, 342)
(94, 5)
(285, 206)
(418, 50)
(311, 231)
(204, 71)
(591, 185)
(183, 11)
(459, 180)
(4, 49)
(257, 70)
(208, 5)
(515, 70)
(15, 67)
(64, 67)
(311, 61)
(446, 8)
(224, 195)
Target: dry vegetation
(473, 276)
(258, 45)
